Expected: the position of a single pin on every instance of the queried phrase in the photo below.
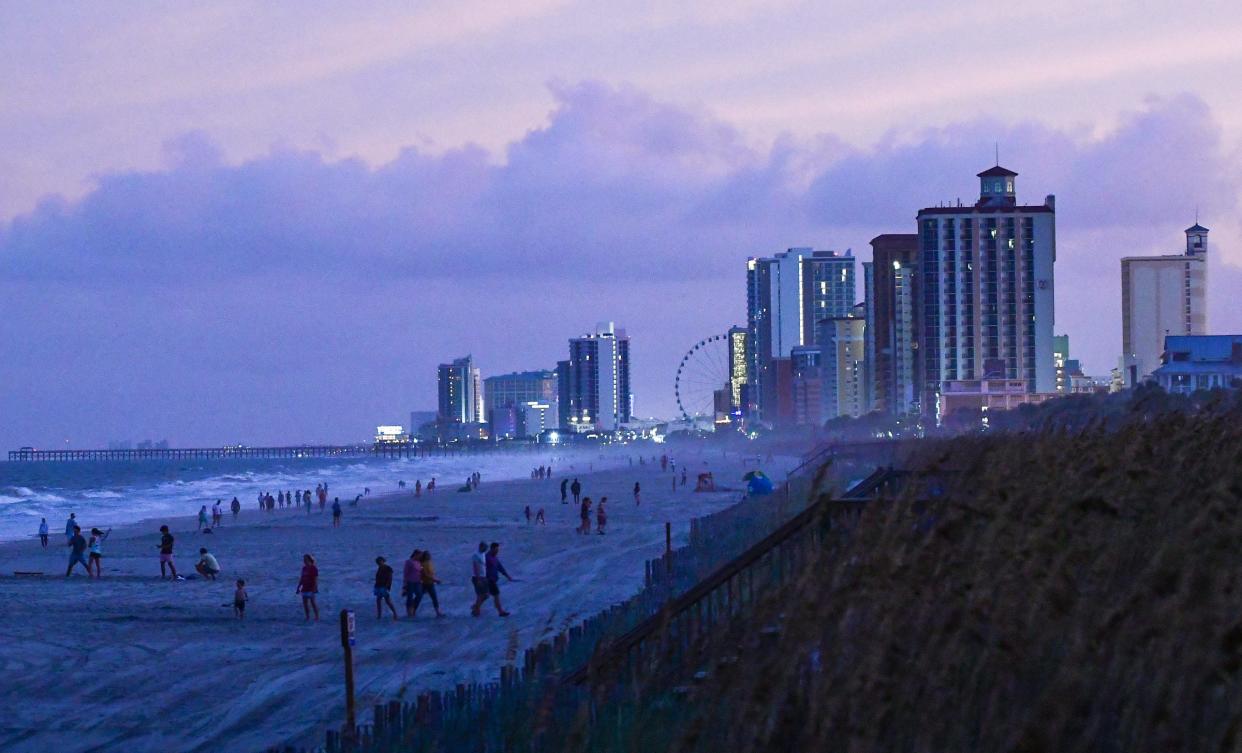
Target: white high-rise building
(597, 377)
(986, 276)
(1161, 296)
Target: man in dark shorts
(575, 489)
(77, 552)
(494, 571)
(383, 588)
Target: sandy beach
(133, 663)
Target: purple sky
(270, 223)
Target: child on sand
(308, 586)
(240, 597)
(166, 553)
(383, 588)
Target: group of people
(542, 472)
(82, 551)
(418, 581)
(217, 514)
(303, 498)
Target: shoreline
(275, 680)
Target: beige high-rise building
(842, 357)
(1161, 296)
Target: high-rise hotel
(986, 279)
(594, 384)
(787, 295)
(1161, 296)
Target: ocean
(108, 493)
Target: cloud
(619, 206)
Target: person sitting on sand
(77, 552)
(207, 566)
(166, 553)
(240, 597)
(383, 588)
(308, 586)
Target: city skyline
(234, 272)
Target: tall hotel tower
(1161, 296)
(987, 289)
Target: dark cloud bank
(290, 298)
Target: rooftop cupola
(996, 186)
(1196, 240)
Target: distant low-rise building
(1200, 362)
(988, 394)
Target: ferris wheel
(704, 369)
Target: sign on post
(347, 643)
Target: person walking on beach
(77, 553)
(478, 577)
(70, 524)
(240, 597)
(308, 586)
(236, 507)
(494, 571)
(95, 545)
(202, 518)
(217, 514)
(207, 565)
(575, 488)
(418, 488)
(564, 486)
(383, 588)
(601, 516)
(528, 515)
(584, 516)
(683, 475)
(412, 581)
(166, 553)
(429, 585)
(637, 494)
(43, 532)
(306, 500)
(336, 512)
